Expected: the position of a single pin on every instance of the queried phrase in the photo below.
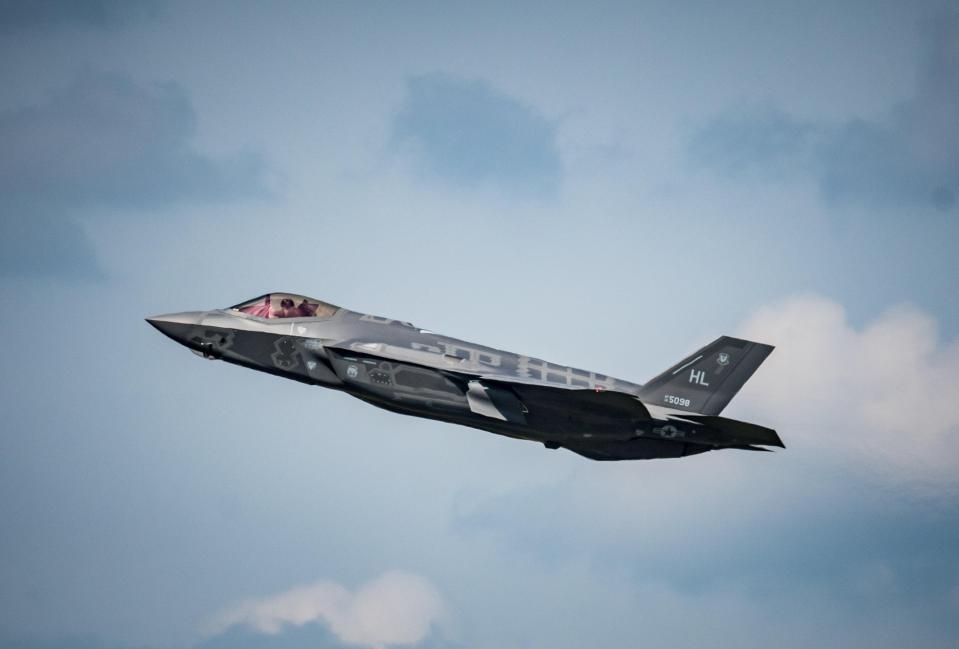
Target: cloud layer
(104, 142)
(397, 608)
(885, 391)
(142, 489)
(42, 14)
(909, 159)
(469, 133)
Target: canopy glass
(286, 305)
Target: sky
(604, 185)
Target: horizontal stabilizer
(732, 432)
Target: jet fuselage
(405, 369)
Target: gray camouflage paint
(404, 369)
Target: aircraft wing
(537, 399)
(517, 399)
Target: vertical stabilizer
(706, 380)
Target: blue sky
(606, 186)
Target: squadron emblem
(723, 359)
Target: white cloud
(397, 608)
(888, 389)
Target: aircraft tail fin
(706, 380)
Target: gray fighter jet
(412, 371)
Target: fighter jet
(404, 369)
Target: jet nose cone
(184, 317)
(177, 325)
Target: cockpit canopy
(286, 305)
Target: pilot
(287, 309)
(307, 310)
